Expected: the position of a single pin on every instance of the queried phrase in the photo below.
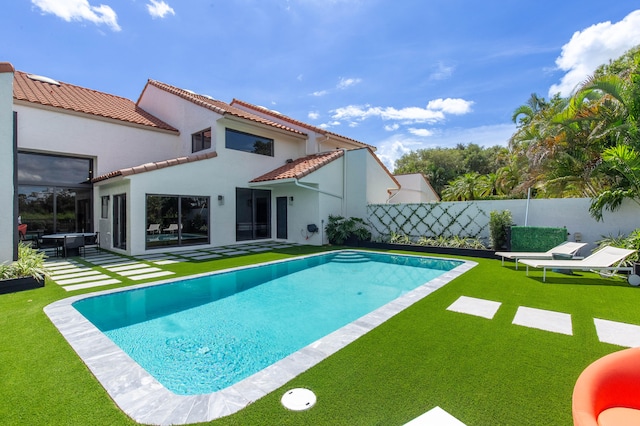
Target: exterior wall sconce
(221, 200)
(290, 201)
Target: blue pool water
(204, 334)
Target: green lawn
(484, 372)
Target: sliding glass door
(253, 214)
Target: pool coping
(145, 400)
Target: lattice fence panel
(428, 220)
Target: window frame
(201, 145)
(256, 138)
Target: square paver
(435, 416)
(617, 333)
(556, 322)
(474, 306)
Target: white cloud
(450, 106)
(592, 47)
(391, 127)
(442, 72)
(347, 82)
(320, 93)
(420, 132)
(79, 10)
(435, 111)
(159, 9)
(313, 115)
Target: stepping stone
(556, 322)
(82, 279)
(138, 271)
(91, 284)
(74, 274)
(473, 306)
(128, 267)
(152, 275)
(435, 417)
(206, 256)
(617, 333)
(168, 261)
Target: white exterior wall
(367, 182)
(414, 189)
(115, 144)
(473, 218)
(8, 223)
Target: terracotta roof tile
(297, 122)
(220, 107)
(155, 166)
(301, 167)
(79, 99)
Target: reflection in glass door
(281, 218)
(253, 214)
(120, 221)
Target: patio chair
(606, 259)
(22, 231)
(72, 243)
(567, 247)
(173, 227)
(154, 228)
(607, 392)
(91, 242)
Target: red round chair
(607, 392)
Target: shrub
(498, 224)
(30, 263)
(631, 241)
(340, 229)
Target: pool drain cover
(298, 399)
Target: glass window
(253, 214)
(249, 143)
(54, 193)
(201, 140)
(48, 210)
(54, 170)
(174, 220)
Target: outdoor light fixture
(221, 199)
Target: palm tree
(624, 161)
(463, 188)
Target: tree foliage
(584, 145)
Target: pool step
(350, 258)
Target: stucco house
(172, 170)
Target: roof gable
(316, 129)
(301, 167)
(51, 93)
(219, 107)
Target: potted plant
(26, 273)
(341, 230)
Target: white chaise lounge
(606, 259)
(568, 247)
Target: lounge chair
(154, 228)
(567, 247)
(606, 259)
(173, 227)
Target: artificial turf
(484, 372)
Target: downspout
(301, 185)
(344, 182)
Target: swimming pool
(235, 300)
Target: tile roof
(155, 166)
(48, 92)
(301, 167)
(298, 123)
(219, 107)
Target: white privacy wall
(471, 219)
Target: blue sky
(397, 74)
